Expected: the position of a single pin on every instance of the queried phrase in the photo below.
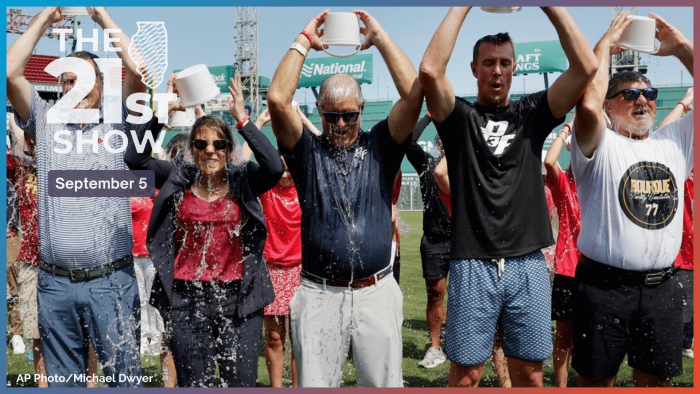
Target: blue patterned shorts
(518, 302)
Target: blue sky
(205, 35)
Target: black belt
(603, 273)
(81, 275)
(353, 284)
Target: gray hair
(339, 88)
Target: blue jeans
(104, 311)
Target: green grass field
(415, 335)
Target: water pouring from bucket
(341, 29)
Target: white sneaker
(433, 358)
(687, 353)
(18, 345)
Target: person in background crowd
(435, 243)
(205, 238)
(283, 256)
(395, 230)
(684, 261)
(498, 275)
(21, 174)
(629, 300)
(152, 328)
(563, 189)
(85, 242)
(13, 247)
(344, 180)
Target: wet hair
(625, 76)
(339, 88)
(85, 55)
(498, 39)
(216, 123)
(177, 146)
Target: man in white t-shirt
(631, 186)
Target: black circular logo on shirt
(648, 195)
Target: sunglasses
(202, 144)
(633, 94)
(334, 117)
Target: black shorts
(614, 318)
(435, 257)
(686, 279)
(562, 297)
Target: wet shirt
(345, 198)
(569, 212)
(78, 232)
(436, 215)
(283, 219)
(494, 165)
(685, 257)
(141, 208)
(21, 175)
(208, 240)
(631, 194)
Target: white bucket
(196, 86)
(502, 10)
(342, 29)
(639, 35)
(183, 119)
(74, 11)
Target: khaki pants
(325, 320)
(13, 245)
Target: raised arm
(285, 122)
(590, 121)
(143, 160)
(567, 90)
(132, 79)
(673, 43)
(439, 94)
(307, 123)
(415, 153)
(441, 176)
(269, 169)
(19, 91)
(550, 160)
(686, 104)
(404, 114)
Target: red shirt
(566, 199)
(22, 173)
(283, 220)
(396, 189)
(685, 257)
(141, 208)
(208, 240)
(447, 199)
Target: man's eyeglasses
(334, 117)
(202, 144)
(633, 94)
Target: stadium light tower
(246, 41)
(628, 60)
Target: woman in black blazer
(206, 238)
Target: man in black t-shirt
(435, 243)
(344, 178)
(499, 214)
